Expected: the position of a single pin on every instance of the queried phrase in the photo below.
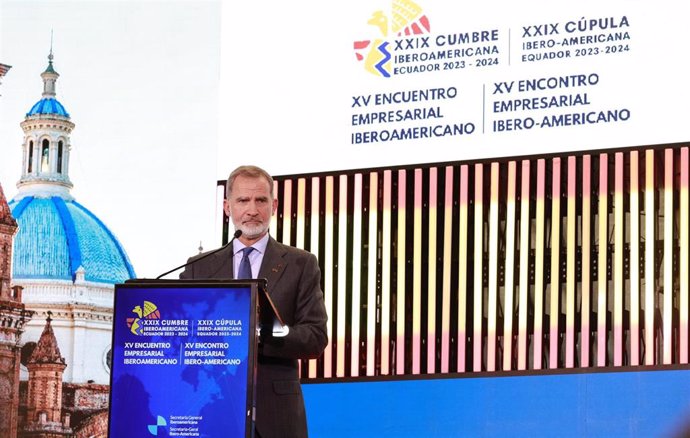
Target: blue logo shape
(160, 422)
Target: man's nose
(252, 208)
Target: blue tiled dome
(48, 105)
(57, 236)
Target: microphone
(237, 234)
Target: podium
(184, 357)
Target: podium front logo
(160, 422)
(147, 311)
(406, 18)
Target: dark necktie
(245, 270)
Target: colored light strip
(299, 229)
(356, 263)
(684, 252)
(618, 277)
(634, 259)
(523, 299)
(274, 218)
(417, 273)
(571, 274)
(478, 267)
(539, 267)
(287, 211)
(301, 213)
(602, 251)
(649, 274)
(342, 264)
(315, 225)
(463, 192)
(668, 257)
(329, 280)
(371, 278)
(431, 262)
(400, 266)
(509, 280)
(447, 269)
(386, 275)
(492, 310)
(586, 265)
(554, 310)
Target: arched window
(31, 157)
(59, 157)
(45, 153)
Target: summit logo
(406, 18)
(148, 311)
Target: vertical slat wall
(565, 261)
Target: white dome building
(64, 257)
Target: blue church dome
(56, 237)
(48, 105)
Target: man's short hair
(248, 171)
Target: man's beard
(251, 231)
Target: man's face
(250, 207)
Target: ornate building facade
(13, 317)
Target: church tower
(44, 417)
(47, 128)
(65, 258)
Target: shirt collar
(259, 245)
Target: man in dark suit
(294, 284)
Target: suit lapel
(222, 264)
(273, 263)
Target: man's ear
(226, 207)
(275, 206)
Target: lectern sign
(183, 359)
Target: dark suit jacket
(294, 284)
